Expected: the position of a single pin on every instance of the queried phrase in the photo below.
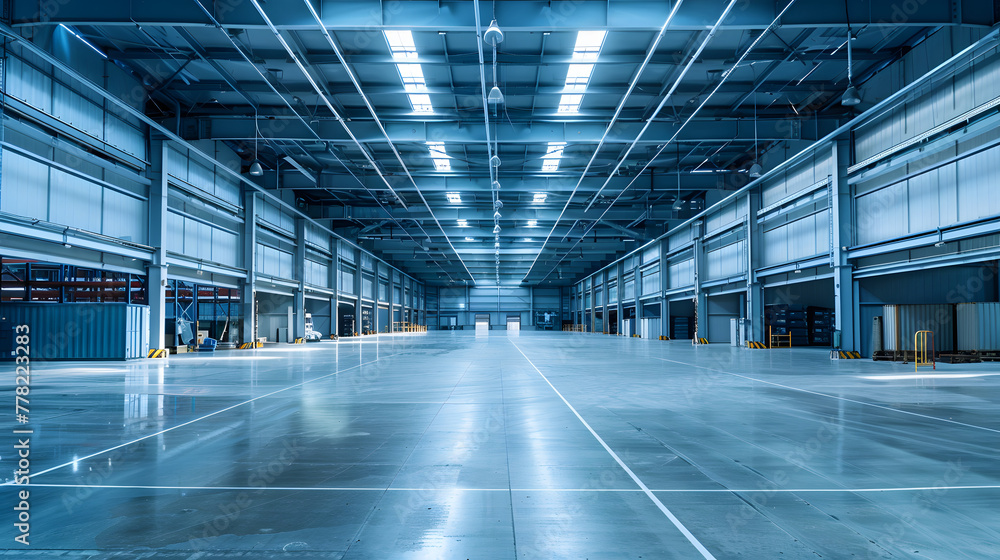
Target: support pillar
(156, 283)
(844, 286)
(298, 330)
(334, 284)
(700, 299)
(248, 288)
(755, 290)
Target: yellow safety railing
(404, 327)
(924, 351)
(779, 340)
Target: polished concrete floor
(542, 445)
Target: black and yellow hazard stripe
(756, 345)
(847, 355)
(299, 341)
(702, 341)
(157, 353)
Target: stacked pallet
(820, 326)
(788, 320)
(681, 327)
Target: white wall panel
(317, 274)
(681, 274)
(798, 240)
(175, 233)
(75, 202)
(317, 236)
(25, 187)
(225, 248)
(125, 217)
(679, 239)
(812, 170)
(80, 112)
(29, 84)
(726, 262)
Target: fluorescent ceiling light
(587, 49)
(441, 160)
(454, 197)
(588, 44)
(528, 239)
(463, 223)
(532, 223)
(85, 42)
(421, 103)
(539, 198)
(470, 239)
(550, 161)
(578, 77)
(401, 44)
(570, 103)
(403, 51)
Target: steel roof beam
(520, 59)
(789, 127)
(454, 15)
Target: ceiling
(676, 104)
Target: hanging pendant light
(496, 185)
(756, 169)
(493, 35)
(495, 96)
(495, 161)
(256, 170)
(496, 228)
(851, 95)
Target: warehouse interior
(509, 279)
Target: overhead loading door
(482, 323)
(513, 323)
(650, 327)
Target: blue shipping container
(82, 331)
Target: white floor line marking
(833, 396)
(649, 493)
(189, 422)
(445, 489)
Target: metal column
(298, 329)
(755, 290)
(701, 301)
(248, 289)
(156, 284)
(844, 287)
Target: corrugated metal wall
(35, 189)
(32, 80)
(800, 177)
(958, 192)
(275, 262)
(978, 326)
(901, 323)
(317, 273)
(803, 238)
(681, 273)
(950, 98)
(83, 331)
